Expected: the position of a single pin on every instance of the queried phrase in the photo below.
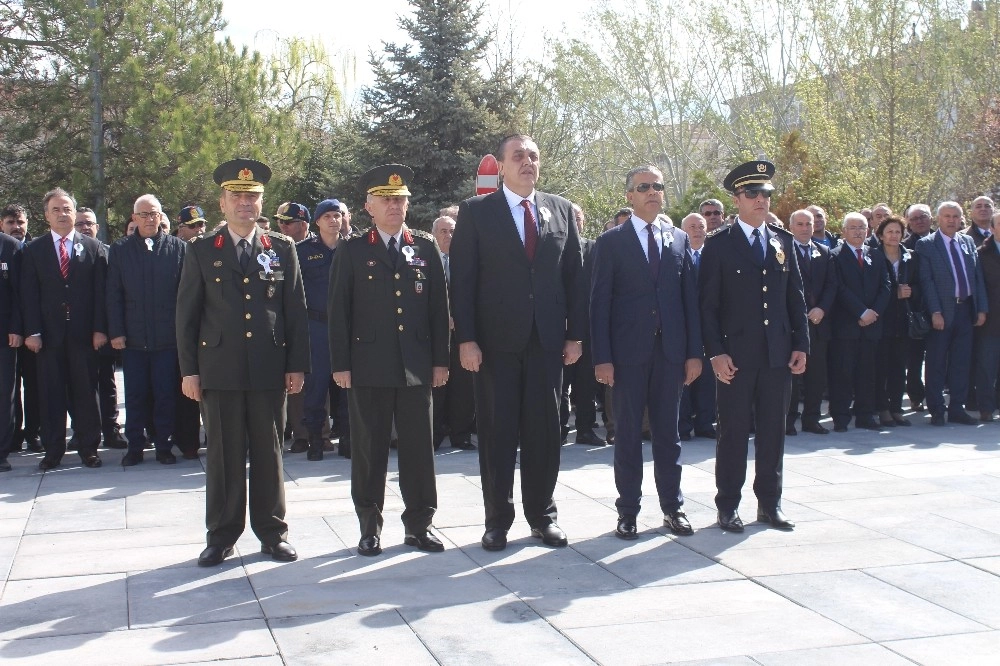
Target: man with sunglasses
(753, 318)
(190, 223)
(714, 213)
(293, 221)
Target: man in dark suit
(988, 344)
(982, 217)
(753, 319)
(862, 296)
(187, 416)
(918, 225)
(27, 419)
(698, 398)
(243, 343)
(11, 338)
(646, 344)
(955, 297)
(388, 320)
(62, 297)
(515, 267)
(819, 285)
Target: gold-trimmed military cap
(293, 211)
(387, 180)
(191, 214)
(242, 175)
(753, 175)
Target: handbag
(918, 326)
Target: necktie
(63, 259)
(861, 259)
(393, 252)
(804, 259)
(447, 269)
(758, 246)
(697, 258)
(530, 230)
(653, 251)
(956, 258)
(244, 254)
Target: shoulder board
(280, 236)
(719, 231)
(422, 234)
(778, 229)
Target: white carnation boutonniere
(545, 213)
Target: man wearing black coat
(143, 273)
(11, 338)
(63, 302)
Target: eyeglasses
(151, 215)
(85, 225)
(712, 213)
(753, 194)
(644, 187)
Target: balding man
(698, 398)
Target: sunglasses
(712, 213)
(644, 187)
(753, 194)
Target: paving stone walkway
(895, 560)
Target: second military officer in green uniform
(243, 343)
(388, 323)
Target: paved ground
(895, 560)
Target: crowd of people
(499, 322)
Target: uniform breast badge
(779, 252)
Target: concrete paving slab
(855, 655)
(940, 535)
(49, 607)
(190, 596)
(381, 637)
(154, 646)
(55, 516)
(653, 560)
(869, 606)
(980, 649)
(990, 564)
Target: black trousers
(8, 366)
(698, 402)
(187, 422)
(759, 394)
(27, 409)
(890, 373)
(517, 397)
(107, 390)
(372, 410)
(915, 371)
(852, 376)
(238, 424)
(579, 378)
(67, 376)
(455, 402)
(808, 387)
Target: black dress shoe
(113, 439)
(92, 461)
(937, 419)
(775, 518)
(495, 539)
(281, 552)
(344, 448)
(425, 541)
(550, 535)
(131, 458)
(963, 418)
(626, 528)
(867, 424)
(730, 521)
(213, 555)
(678, 523)
(47, 463)
(684, 436)
(899, 419)
(710, 433)
(815, 429)
(190, 455)
(839, 427)
(588, 437)
(790, 431)
(165, 458)
(369, 546)
(299, 446)
(463, 443)
(918, 406)
(611, 437)
(34, 445)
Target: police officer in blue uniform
(315, 257)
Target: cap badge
(245, 174)
(761, 168)
(395, 180)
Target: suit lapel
(507, 229)
(634, 246)
(379, 248)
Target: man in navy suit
(698, 398)
(753, 322)
(862, 296)
(819, 286)
(646, 341)
(515, 267)
(955, 296)
(65, 321)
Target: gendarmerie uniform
(241, 331)
(388, 322)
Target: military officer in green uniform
(388, 325)
(243, 343)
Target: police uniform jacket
(755, 313)
(315, 259)
(142, 290)
(388, 321)
(10, 265)
(241, 331)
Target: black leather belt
(959, 301)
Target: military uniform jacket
(239, 331)
(755, 313)
(388, 322)
(10, 265)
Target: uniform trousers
(238, 423)
(150, 382)
(655, 385)
(754, 394)
(187, 421)
(8, 366)
(372, 409)
(517, 402)
(67, 376)
(810, 385)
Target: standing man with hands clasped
(753, 320)
(515, 266)
(243, 343)
(646, 341)
(388, 322)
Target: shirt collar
(640, 226)
(514, 200)
(71, 236)
(237, 238)
(385, 237)
(748, 230)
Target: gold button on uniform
(397, 276)
(399, 293)
(246, 280)
(400, 327)
(204, 344)
(765, 322)
(250, 335)
(765, 289)
(248, 297)
(765, 307)
(371, 277)
(247, 315)
(218, 279)
(399, 310)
